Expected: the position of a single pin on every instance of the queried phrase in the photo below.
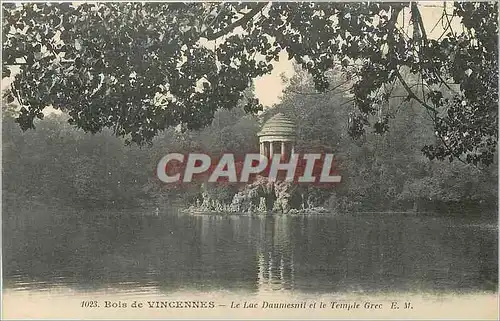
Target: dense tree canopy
(382, 171)
(60, 164)
(138, 68)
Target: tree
(140, 67)
(381, 171)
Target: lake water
(360, 253)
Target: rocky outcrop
(211, 203)
(256, 197)
(261, 196)
(266, 196)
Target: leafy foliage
(385, 172)
(381, 172)
(138, 68)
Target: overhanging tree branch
(240, 22)
(326, 91)
(392, 30)
(411, 94)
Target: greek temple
(277, 135)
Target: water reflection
(359, 253)
(275, 255)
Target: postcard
(250, 160)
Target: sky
(269, 88)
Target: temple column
(261, 149)
(271, 150)
(283, 151)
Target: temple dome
(278, 126)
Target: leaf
(10, 98)
(78, 44)
(5, 72)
